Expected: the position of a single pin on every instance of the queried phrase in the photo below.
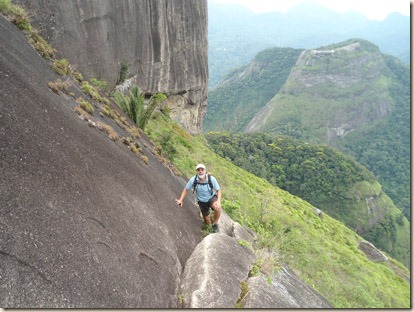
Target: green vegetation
(134, 106)
(385, 148)
(325, 178)
(100, 84)
(357, 87)
(181, 299)
(61, 67)
(267, 263)
(233, 104)
(16, 14)
(244, 287)
(323, 253)
(88, 107)
(60, 86)
(285, 224)
(20, 18)
(123, 72)
(93, 92)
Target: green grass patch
(322, 252)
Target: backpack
(208, 182)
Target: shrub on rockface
(133, 104)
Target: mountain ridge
(274, 29)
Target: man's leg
(207, 219)
(205, 211)
(217, 211)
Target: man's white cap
(200, 166)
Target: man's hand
(179, 202)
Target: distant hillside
(369, 118)
(352, 97)
(236, 34)
(246, 90)
(324, 177)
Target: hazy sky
(373, 9)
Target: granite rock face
(218, 275)
(82, 222)
(214, 271)
(164, 43)
(284, 291)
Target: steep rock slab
(163, 42)
(213, 273)
(285, 291)
(84, 223)
(234, 229)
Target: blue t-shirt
(203, 190)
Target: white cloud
(373, 9)
(377, 10)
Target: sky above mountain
(372, 9)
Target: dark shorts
(205, 207)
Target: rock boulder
(214, 272)
(284, 290)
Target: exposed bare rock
(213, 273)
(218, 267)
(234, 229)
(163, 42)
(372, 252)
(284, 290)
(82, 222)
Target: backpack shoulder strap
(195, 183)
(210, 183)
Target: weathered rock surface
(163, 42)
(372, 252)
(284, 291)
(214, 274)
(214, 271)
(82, 222)
(234, 229)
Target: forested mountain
(324, 177)
(247, 89)
(348, 95)
(236, 34)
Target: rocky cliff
(163, 43)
